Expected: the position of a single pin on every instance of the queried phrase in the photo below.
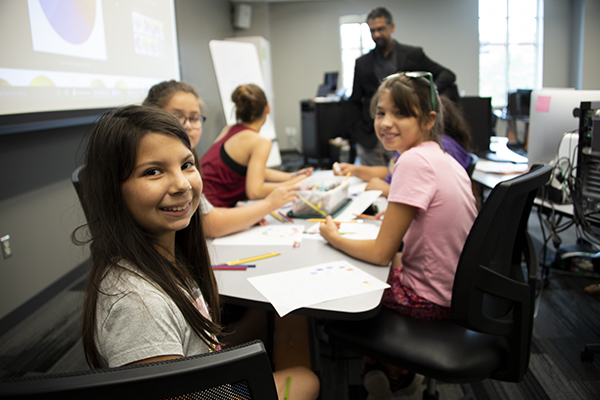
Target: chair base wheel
(587, 357)
(429, 396)
(588, 352)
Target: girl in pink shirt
(431, 208)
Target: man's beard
(381, 44)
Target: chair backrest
(471, 166)
(242, 372)
(490, 293)
(76, 180)
(478, 114)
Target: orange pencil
(366, 216)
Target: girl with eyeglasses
(182, 100)
(431, 208)
(234, 168)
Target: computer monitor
(478, 114)
(518, 103)
(331, 80)
(550, 117)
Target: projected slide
(73, 20)
(83, 54)
(68, 27)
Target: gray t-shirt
(136, 320)
(205, 205)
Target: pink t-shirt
(435, 183)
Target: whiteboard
(237, 63)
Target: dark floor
(567, 319)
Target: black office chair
(489, 335)
(471, 167)
(77, 185)
(242, 372)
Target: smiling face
(396, 131)
(163, 191)
(381, 32)
(184, 104)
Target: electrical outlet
(5, 243)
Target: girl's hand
(345, 168)
(379, 184)
(282, 195)
(329, 229)
(304, 171)
(380, 215)
(263, 222)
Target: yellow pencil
(311, 205)
(277, 216)
(246, 260)
(352, 221)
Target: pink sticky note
(543, 104)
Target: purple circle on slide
(73, 20)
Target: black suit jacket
(409, 58)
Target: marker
(285, 216)
(311, 205)
(336, 168)
(245, 260)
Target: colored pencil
(245, 260)
(311, 205)
(366, 216)
(286, 217)
(352, 221)
(227, 268)
(277, 216)
(287, 388)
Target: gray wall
(305, 43)
(38, 206)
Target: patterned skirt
(406, 302)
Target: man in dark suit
(386, 58)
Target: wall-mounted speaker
(242, 15)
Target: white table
(235, 288)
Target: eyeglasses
(381, 29)
(195, 120)
(418, 74)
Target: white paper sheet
(290, 290)
(500, 167)
(348, 230)
(359, 204)
(270, 235)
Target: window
(510, 51)
(356, 40)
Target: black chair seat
(458, 354)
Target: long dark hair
(114, 235)
(455, 124)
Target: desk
(490, 180)
(235, 288)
